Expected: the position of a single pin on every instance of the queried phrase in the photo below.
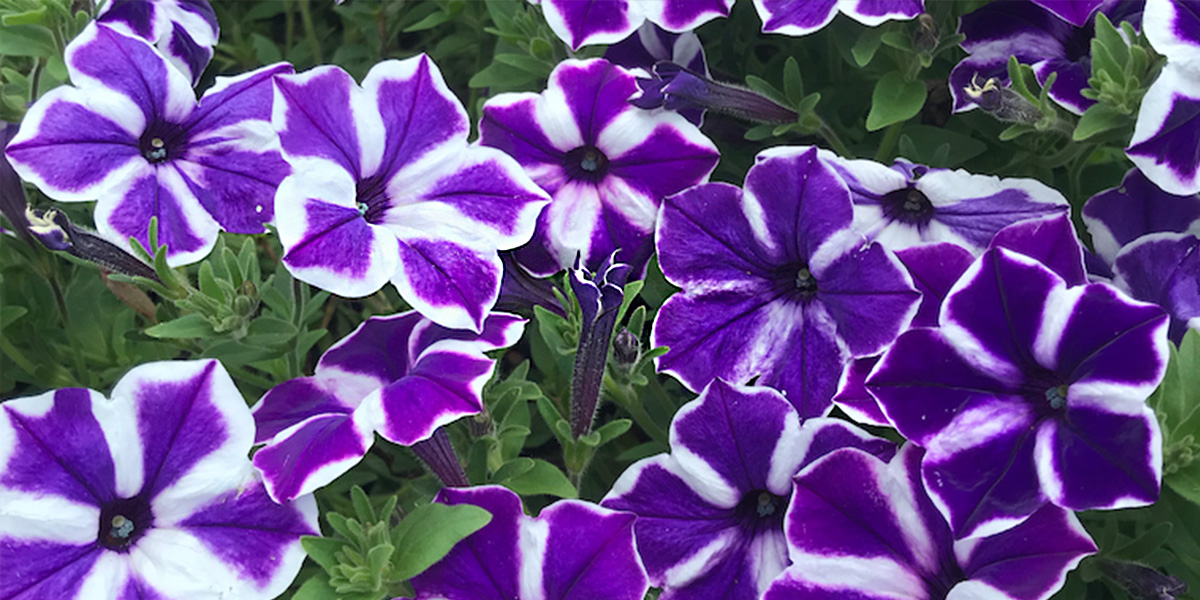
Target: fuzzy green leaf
(429, 532)
(541, 478)
(895, 100)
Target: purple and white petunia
(583, 22)
(790, 17)
(185, 31)
(572, 550)
(909, 204)
(130, 134)
(148, 494)
(1118, 216)
(401, 376)
(1037, 37)
(710, 513)
(860, 527)
(1164, 268)
(607, 164)
(776, 283)
(1167, 130)
(1030, 391)
(385, 187)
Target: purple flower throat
(123, 521)
(162, 141)
(586, 163)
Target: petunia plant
(600, 299)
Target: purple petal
(419, 111)
(1173, 28)
(42, 458)
(795, 18)
(512, 124)
(135, 16)
(101, 57)
(975, 207)
(1164, 143)
(869, 295)
(255, 537)
(444, 385)
(595, 91)
(801, 199)
(322, 113)
(583, 22)
(811, 361)
(379, 349)
(673, 157)
(184, 53)
(589, 553)
(1120, 215)
(652, 45)
(186, 412)
(298, 399)
(934, 269)
(309, 456)
(1050, 241)
(1075, 12)
(1072, 79)
(45, 570)
(1030, 560)
(1164, 268)
(853, 397)
(452, 284)
(684, 15)
(187, 230)
(487, 564)
(75, 145)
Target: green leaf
(265, 50)
(208, 283)
(9, 314)
(513, 468)
(317, 588)
(269, 331)
(499, 74)
(1176, 402)
(898, 40)
(187, 326)
(525, 63)
(322, 550)
(1148, 542)
(541, 478)
(1186, 481)
(793, 84)
(759, 133)
(868, 43)
(613, 429)
(429, 532)
(763, 87)
(36, 16)
(1098, 119)
(27, 40)
(895, 100)
(362, 505)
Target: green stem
(890, 137)
(834, 140)
(310, 32)
(633, 406)
(17, 356)
(251, 378)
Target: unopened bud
(1143, 582)
(1004, 103)
(926, 38)
(627, 349)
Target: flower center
(1057, 397)
(760, 510)
(372, 198)
(908, 205)
(586, 163)
(161, 142)
(123, 521)
(806, 284)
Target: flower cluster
(600, 369)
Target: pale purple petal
(1164, 268)
(795, 18)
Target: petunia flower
(130, 134)
(1039, 38)
(401, 376)
(600, 296)
(607, 164)
(1029, 392)
(935, 268)
(385, 187)
(1118, 216)
(1167, 129)
(584, 22)
(802, 18)
(148, 494)
(776, 284)
(653, 45)
(909, 204)
(710, 513)
(185, 31)
(860, 527)
(1164, 268)
(573, 549)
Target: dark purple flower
(148, 494)
(909, 204)
(584, 22)
(791, 17)
(689, 93)
(572, 550)
(185, 31)
(1164, 268)
(653, 45)
(710, 513)
(776, 284)
(401, 376)
(859, 527)
(1118, 216)
(1037, 37)
(1029, 391)
(607, 164)
(385, 187)
(131, 135)
(600, 295)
